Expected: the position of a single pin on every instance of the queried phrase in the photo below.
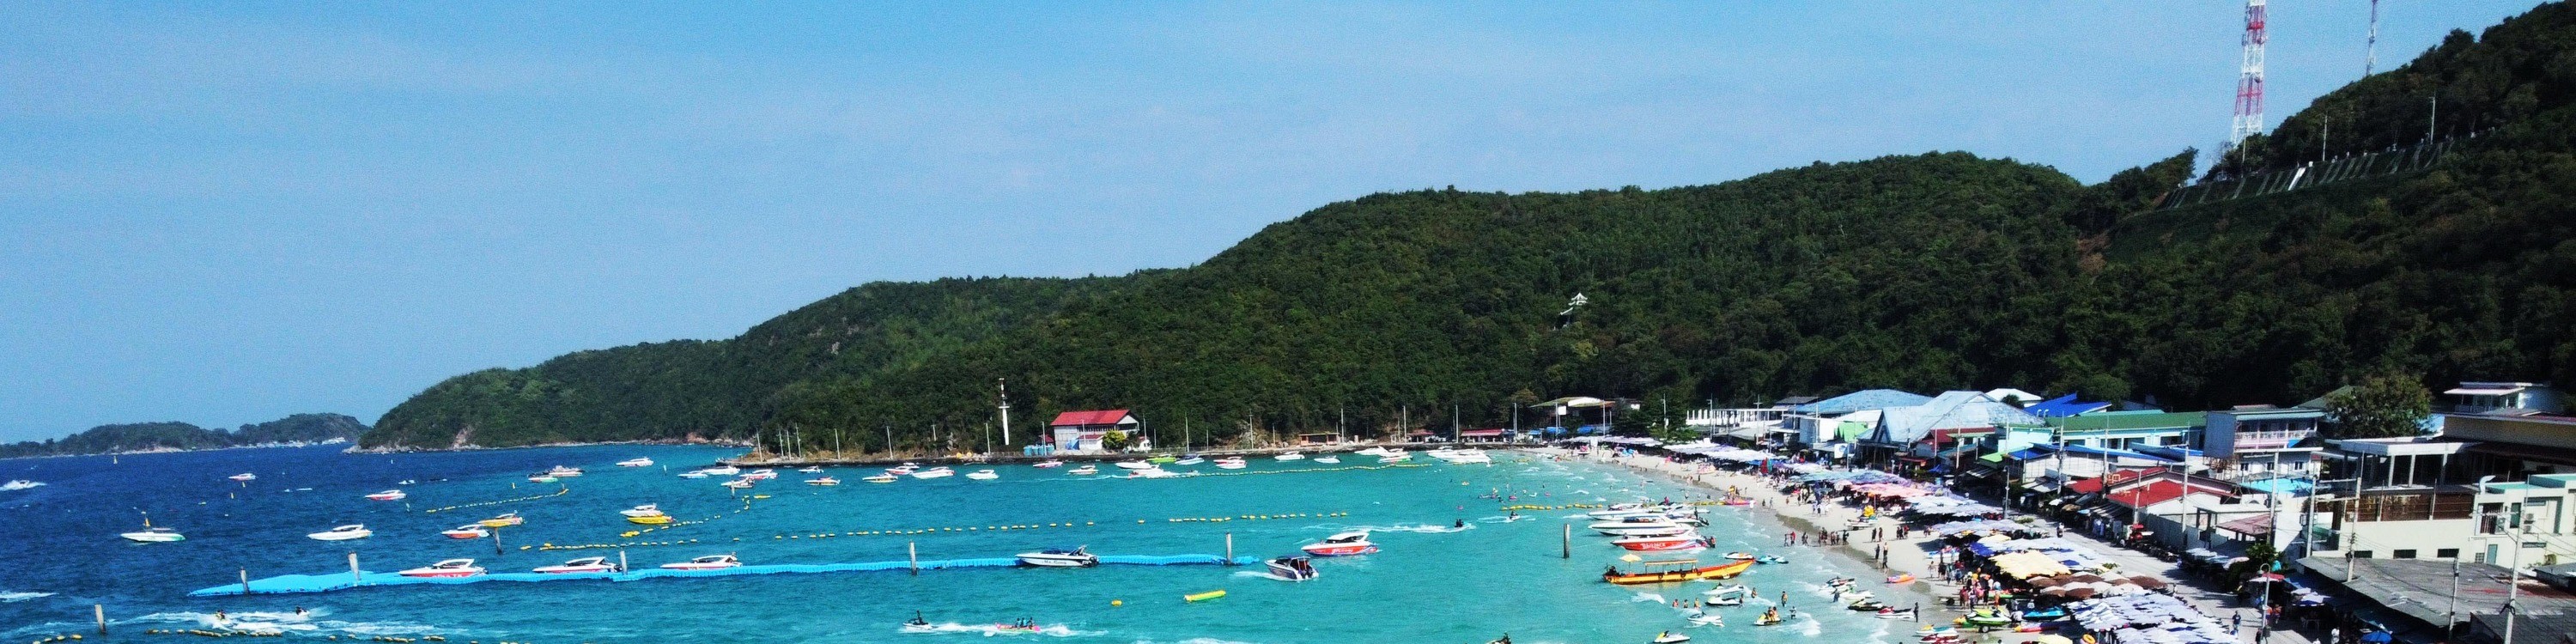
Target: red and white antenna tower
(2249, 82)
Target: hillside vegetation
(144, 437)
(1926, 272)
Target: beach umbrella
(2054, 591)
(2147, 582)
(2088, 577)
(2079, 592)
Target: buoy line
(478, 504)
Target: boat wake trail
(309, 623)
(1260, 575)
(19, 484)
(1650, 597)
(12, 596)
(989, 630)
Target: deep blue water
(1434, 583)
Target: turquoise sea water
(1433, 583)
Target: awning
(2482, 391)
(2253, 526)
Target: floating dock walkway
(298, 584)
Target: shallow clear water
(1433, 582)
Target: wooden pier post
(354, 577)
(913, 552)
(245, 574)
(1229, 548)
(621, 560)
(496, 542)
(101, 611)
(1568, 543)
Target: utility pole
(1005, 397)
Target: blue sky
(228, 212)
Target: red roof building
(1082, 431)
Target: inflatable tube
(1200, 597)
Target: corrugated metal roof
(1863, 399)
(1098, 417)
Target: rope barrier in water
(477, 504)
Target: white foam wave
(1643, 596)
(12, 596)
(19, 484)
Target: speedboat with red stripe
(1341, 545)
(1683, 541)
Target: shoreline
(973, 459)
(1904, 556)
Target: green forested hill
(1922, 272)
(131, 437)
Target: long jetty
(323, 583)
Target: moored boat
(762, 474)
(636, 462)
(582, 565)
(387, 495)
(1292, 568)
(645, 510)
(658, 519)
(1640, 527)
(983, 475)
(1289, 456)
(1189, 459)
(1134, 465)
(1683, 541)
(564, 472)
(826, 480)
(1084, 470)
(709, 562)
(1231, 463)
(1660, 572)
(343, 533)
(738, 484)
(467, 531)
(503, 520)
(447, 568)
(935, 473)
(882, 477)
(1049, 463)
(245, 476)
(1075, 557)
(721, 470)
(1344, 544)
(810, 469)
(1329, 459)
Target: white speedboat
(645, 510)
(245, 476)
(1048, 463)
(1640, 527)
(1231, 463)
(903, 470)
(564, 472)
(760, 474)
(542, 477)
(1192, 459)
(636, 462)
(154, 535)
(1341, 545)
(983, 475)
(387, 495)
(1084, 470)
(467, 531)
(584, 564)
(1395, 456)
(1293, 568)
(739, 484)
(934, 473)
(1462, 456)
(882, 477)
(1619, 511)
(1289, 456)
(825, 480)
(709, 562)
(1329, 459)
(343, 533)
(1134, 465)
(1074, 557)
(721, 470)
(809, 470)
(1152, 473)
(1373, 451)
(447, 568)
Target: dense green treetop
(141, 437)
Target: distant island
(299, 429)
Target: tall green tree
(2384, 406)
